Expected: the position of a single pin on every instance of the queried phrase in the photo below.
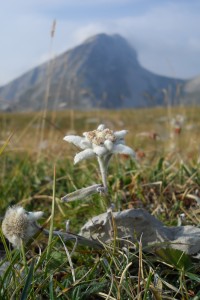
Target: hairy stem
(103, 166)
(103, 171)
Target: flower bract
(102, 142)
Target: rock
(133, 224)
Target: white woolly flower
(177, 123)
(18, 224)
(101, 142)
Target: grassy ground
(165, 181)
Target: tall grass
(47, 90)
(165, 181)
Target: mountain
(104, 72)
(191, 91)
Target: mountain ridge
(104, 71)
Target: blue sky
(165, 33)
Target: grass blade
(52, 216)
(51, 294)
(27, 285)
(5, 144)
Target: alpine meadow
(154, 168)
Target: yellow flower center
(98, 137)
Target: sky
(165, 33)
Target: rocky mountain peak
(102, 72)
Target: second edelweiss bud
(19, 225)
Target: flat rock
(133, 224)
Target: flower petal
(120, 134)
(108, 144)
(101, 127)
(100, 150)
(35, 215)
(77, 141)
(85, 154)
(121, 142)
(122, 149)
(86, 144)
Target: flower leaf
(77, 141)
(122, 149)
(85, 154)
(82, 193)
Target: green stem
(52, 219)
(24, 256)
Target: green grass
(165, 181)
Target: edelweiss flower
(18, 224)
(101, 142)
(177, 123)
